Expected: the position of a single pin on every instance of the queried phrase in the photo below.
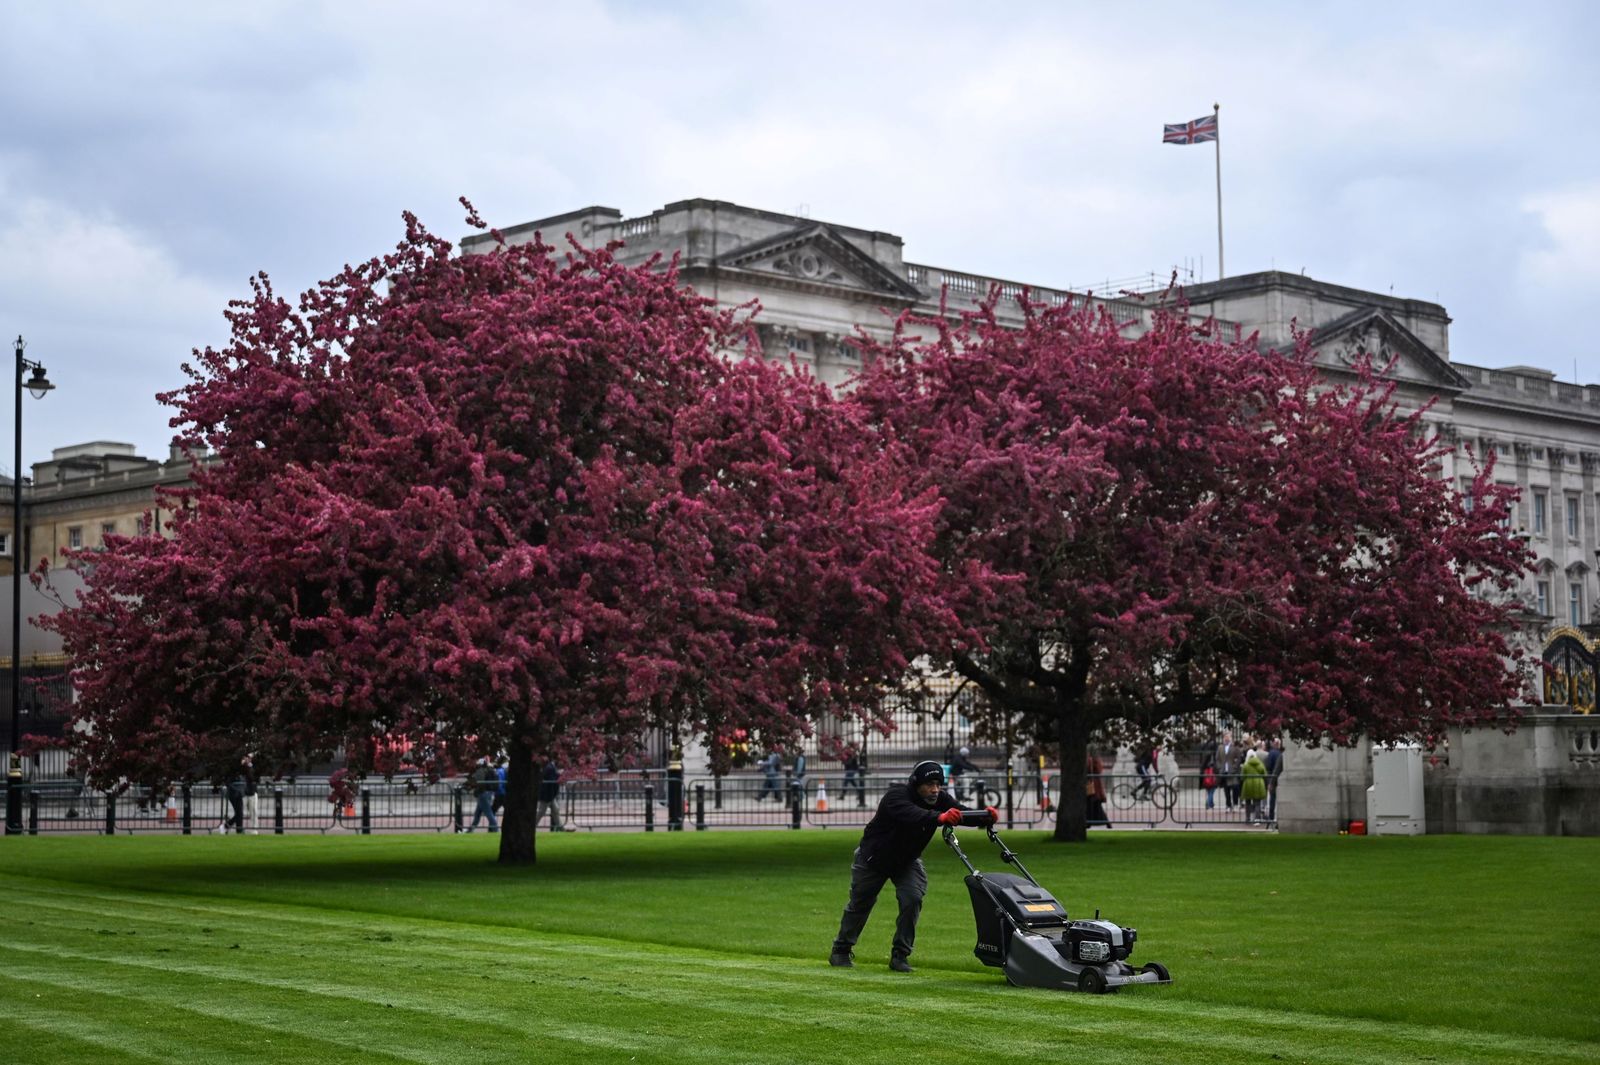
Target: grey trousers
(554, 807)
(910, 884)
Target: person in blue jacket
(891, 850)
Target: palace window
(1544, 598)
(1572, 516)
(75, 537)
(1541, 508)
(1575, 602)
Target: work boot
(841, 959)
(897, 964)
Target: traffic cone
(822, 796)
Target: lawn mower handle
(949, 833)
(1009, 856)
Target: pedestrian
(1094, 791)
(233, 796)
(252, 806)
(1208, 780)
(550, 798)
(1228, 757)
(500, 786)
(770, 765)
(1254, 788)
(483, 783)
(341, 793)
(1274, 771)
(855, 777)
(891, 851)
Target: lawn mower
(1025, 931)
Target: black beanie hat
(923, 772)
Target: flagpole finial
(1216, 107)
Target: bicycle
(977, 795)
(1154, 790)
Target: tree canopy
(516, 501)
(1172, 522)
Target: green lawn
(711, 947)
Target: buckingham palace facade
(818, 283)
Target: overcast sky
(154, 156)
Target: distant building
(85, 493)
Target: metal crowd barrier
(1180, 801)
(851, 803)
(652, 799)
(303, 806)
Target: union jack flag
(1197, 132)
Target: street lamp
(37, 385)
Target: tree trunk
(522, 792)
(1072, 736)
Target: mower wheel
(1092, 982)
(1159, 969)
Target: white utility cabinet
(1394, 802)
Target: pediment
(1370, 332)
(818, 255)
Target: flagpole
(1216, 109)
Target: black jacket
(901, 829)
(550, 784)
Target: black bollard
(675, 797)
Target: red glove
(994, 815)
(951, 816)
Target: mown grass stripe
(26, 1042)
(1233, 1030)
(713, 944)
(240, 1004)
(451, 936)
(496, 940)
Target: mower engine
(1099, 941)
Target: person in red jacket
(891, 850)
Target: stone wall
(1542, 779)
(1323, 788)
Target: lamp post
(38, 385)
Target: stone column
(1323, 787)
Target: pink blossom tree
(1173, 524)
(503, 502)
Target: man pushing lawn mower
(891, 850)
